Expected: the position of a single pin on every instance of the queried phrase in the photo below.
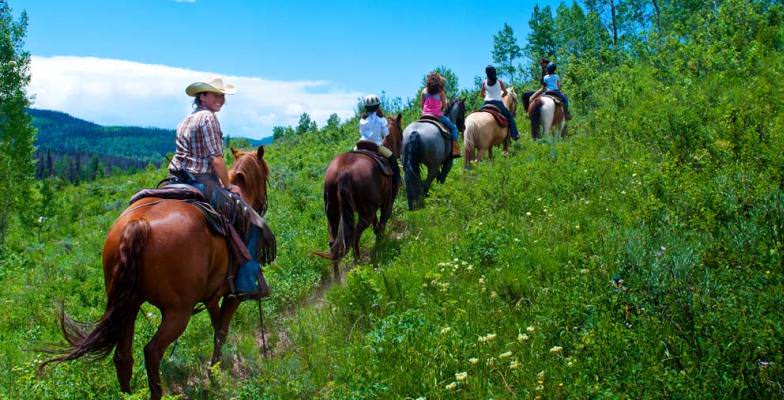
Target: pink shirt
(432, 105)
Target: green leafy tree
(333, 121)
(305, 124)
(506, 51)
(451, 86)
(17, 135)
(541, 39)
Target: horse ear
(260, 153)
(235, 153)
(399, 118)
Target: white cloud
(117, 92)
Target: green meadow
(640, 257)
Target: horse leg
(432, 173)
(506, 146)
(481, 154)
(123, 353)
(227, 310)
(362, 224)
(490, 152)
(172, 326)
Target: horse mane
(254, 170)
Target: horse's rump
(182, 252)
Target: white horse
(547, 116)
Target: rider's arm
(213, 142)
(218, 165)
(422, 97)
(443, 100)
(503, 87)
(482, 92)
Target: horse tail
(124, 298)
(535, 114)
(469, 141)
(412, 169)
(345, 234)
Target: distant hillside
(76, 149)
(62, 133)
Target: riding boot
(395, 169)
(455, 149)
(250, 282)
(567, 114)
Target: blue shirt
(551, 81)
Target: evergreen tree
(17, 135)
(92, 167)
(505, 51)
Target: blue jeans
(512, 125)
(449, 124)
(561, 96)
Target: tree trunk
(658, 20)
(614, 23)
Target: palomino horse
(353, 184)
(545, 115)
(162, 251)
(482, 132)
(424, 144)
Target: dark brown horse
(354, 185)
(162, 252)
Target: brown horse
(482, 132)
(354, 185)
(162, 252)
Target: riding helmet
(371, 100)
(551, 68)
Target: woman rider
(433, 99)
(198, 159)
(493, 91)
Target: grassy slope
(604, 267)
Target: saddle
(233, 228)
(554, 97)
(429, 119)
(370, 149)
(496, 113)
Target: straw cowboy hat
(215, 86)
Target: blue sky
(320, 47)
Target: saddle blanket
(496, 113)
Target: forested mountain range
(69, 146)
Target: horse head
(456, 112)
(250, 173)
(510, 101)
(394, 141)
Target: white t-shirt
(373, 128)
(493, 92)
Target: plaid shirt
(199, 139)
